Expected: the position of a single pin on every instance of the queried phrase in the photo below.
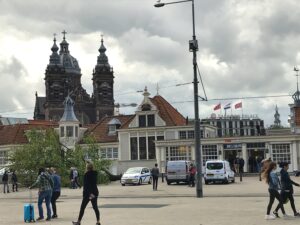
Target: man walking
(14, 181)
(45, 183)
(5, 182)
(56, 191)
(155, 174)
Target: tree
(43, 150)
(89, 151)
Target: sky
(247, 48)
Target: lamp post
(193, 47)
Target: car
(218, 171)
(136, 175)
(177, 171)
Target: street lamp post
(193, 47)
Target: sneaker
(276, 214)
(297, 214)
(54, 216)
(270, 217)
(40, 218)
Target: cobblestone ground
(240, 203)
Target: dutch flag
(227, 106)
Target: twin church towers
(63, 78)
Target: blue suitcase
(29, 211)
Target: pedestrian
(76, 178)
(287, 190)
(72, 183)
(45, 184)
(192, 172)
(155, 174)
(56, 191)
(264, 165)
(274, 185)
(14, 181)
(90, 193)
(241, 167)
(5, 182)
(236, 165)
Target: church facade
(63, 78)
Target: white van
(218, 170)
(177, 171)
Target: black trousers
(15, 186)
(84, 203)
(289, 195)
(192, 180)
(55, 196)
(155, 181)
(275, 194)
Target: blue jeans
(47, 196)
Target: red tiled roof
(15, 134)
(100, 130)
(167, 112)
(42, 122)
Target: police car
(136, 175)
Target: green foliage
(44, 150)
(89, 151)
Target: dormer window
(113, 125)
(147, 120)
(146, 107)
(112, 129)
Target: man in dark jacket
(14, 181)
(5, 182)
(287, 188)
(155, 174)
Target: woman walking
(273, 181)
(90, 193)
(287, 190)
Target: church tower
(63, 78)
(103, 81)
(295, 108)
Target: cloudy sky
(247, 48)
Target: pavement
(240, 203)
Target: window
(69, 131)
(3, 157)
(174, 153)
(191, 134)
(62, 131)
(112, 129)
(209, 152)
(142, 121)
(182, 134)
(143, 148)
(281, 153)
(160, 138)
(151, 120)
(186, 134)
(133, 148)
(146, 107)
(109, 153)
(76, 131)
(151, 148)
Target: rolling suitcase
(29, 210)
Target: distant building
(63, 78)
(235, 125)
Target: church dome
(64, 59)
